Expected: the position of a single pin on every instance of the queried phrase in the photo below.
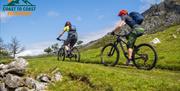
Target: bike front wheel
(144, 57)
(61, 54)
(75, 54)
(109, 55)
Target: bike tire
(76, 54)
(140, 64)
(114, 60)
(61, 54)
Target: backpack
(73, 28)
(137, 17)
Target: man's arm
(61, 34)
(117, 29)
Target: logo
(19, 8)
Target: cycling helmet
(68, 23)
(123, 12)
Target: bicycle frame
(121, 42)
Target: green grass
(90, 75)
(168, 50)
(100, 78)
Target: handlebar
(61, 40)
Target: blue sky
(92, 18)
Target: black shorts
(71, 39)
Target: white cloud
(147, 3)
(31, 52)
(4, 17)
(53, 14)
(90, 36)
(36, 49)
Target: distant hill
(157, 18)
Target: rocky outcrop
(161, 16)
(12, 77)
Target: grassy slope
(96, 77)
(168, 50)
(103, 78)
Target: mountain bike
(73, 53)
(144, 55)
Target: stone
(3, 66)
(34, 84)
(2, 87)
(44, 78)
(29, 82)
(13, 81)
(155, 41)
(19, 63)
(22, 89)
(57, 77)
(39, 86)
(16, 67)
(16, 71)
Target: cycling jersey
(128, 20)
(72, 35)
(137, 30)
(66, 29)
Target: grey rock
(13, 81)
(30, 82)
(16, 67)
(34, 84)
(16, 71)
(3, 66)
(22, 89)
(40, 86)
(57, 77)
(19, 63)
(2, 87)
(44, 78)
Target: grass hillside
(96, 77)
(89, 75)
(168, 50)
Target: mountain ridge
(157, 18)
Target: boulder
(57, 77)
(34, 84)
(16, 67)
(40, 86)
(22, 89)
(2, 87)
(19, 63)
(13, 81)
(29, 82)
(44, 78)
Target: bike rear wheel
(75, 54)
(109, 55)
(61, 54)
(144, 57)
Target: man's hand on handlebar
(112, 33)
(58, 38)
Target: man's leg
(131, 40)
(130, 50)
